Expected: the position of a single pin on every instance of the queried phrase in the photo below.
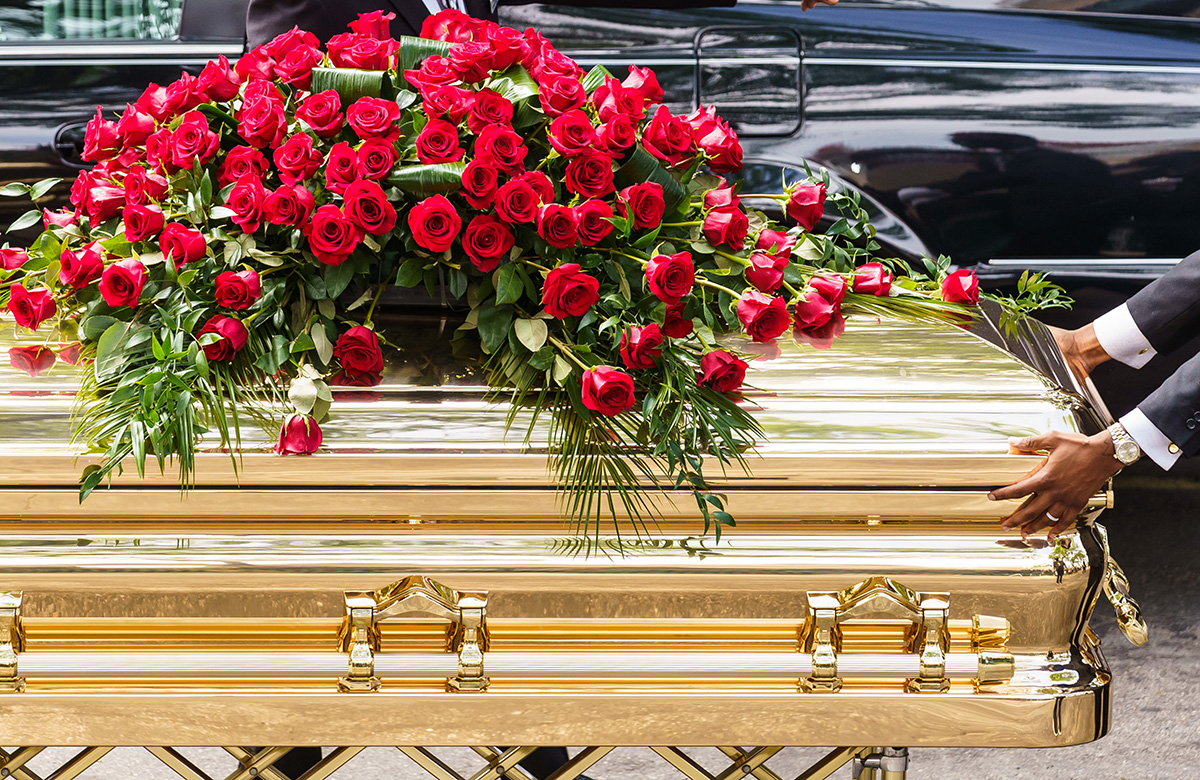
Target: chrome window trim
(902, 63)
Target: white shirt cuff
(1152, 441)
(1122, 339)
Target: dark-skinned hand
(1075, 470)
(807, 5)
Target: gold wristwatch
(1126, 449)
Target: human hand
(1080, 348)
(806, 5)
(1061, 485)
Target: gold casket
(414, 584)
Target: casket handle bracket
(12, 641)
(360, 636)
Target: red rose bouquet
(230, 245)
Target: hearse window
(1175, 8)
(26, 20)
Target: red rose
(612, 98)
(134, 126)
(806, 204)
(675, 325)
(723, 197)
(541, 184)
(61, 218)
(486, 241)
(182, 244)
(192, 142)
(873, 279)
(232, 337)
(290, 206)
(367, 206)
(813, 310)
(12, 259)
(358, 351)
(281, 44)
(438, 143)
(261, 121)
(832, 288)
(240, 161)
(561, 94)
(775, 242)
(238, 290)
(332, 236)
(255, 65)
(434, 223)
(645, 81)
(184, 94)
(31, 308)
(617, 134)
(375, 24)
(671, 277)
(101, 139)
(451, 25)
(506, 46)
(722, 371)
(479, 181)
(489, 107)
(502, 147)
(726, 227)
(552, 63)
(218, 81)
(34, 361)
(590, 175)
(158, 151)
(363, 52)
(103, 202)
(667, 137)
(517, 202)
(763, 316)
(572, 133)
(373, 117)
(142, 186)
(299, 435)
(246, 200)
(376, 158)
(295, 68)
(822, 337)
(568, 292)
(765, 271)
(70, 353)
(446, 100)
(558, 225)
(154, 102)
(471, 60)
(640, 346)
(717, 139)
(607, 390)
(594, 219)
(643, 204)
(322, 112)
(962, 286)
(341, 168)
(297, 159)
(434, 71)
(121, 283)
(79, 270)
(143, 223)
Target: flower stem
(568, 352)
(379, 294)
(681, 224)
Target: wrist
(1088, 347)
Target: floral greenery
(226, 256)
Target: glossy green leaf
(14, 189)
(508, 284)
(349, 83)
(42, 187)
(595, 77)
(643, 167)
(109, 355)
(27, 219)
(413, 51)
(494, 323)
(426, 180)
(337, 279)
(531, 333)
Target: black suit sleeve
(1166, 309)
(1174, 407)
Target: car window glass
(25, 20)
(1176, 8)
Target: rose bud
(572, 134)
(962, 286)
(121, 283)
(671, 277)
(322, 112)
(103, 201)
(79, 270)
(34, 361)
(134, 126)
(486, 241)
(721, 371)
(332, 236)
(595, 221)
(373, 117)
(873, 279)
(438, 143)
(674, 324)
(375, 24)
(642, 204)
(358, 351)
(143, 223)
(517, 202)
(502, 147)
(640, 346)
(341, 168)
(645, 81)
(291, 206)
(232, 339)
(182, 244)
(238, 290)
(806, 204)
(376, 158)
(723, 197)
(101, 139)
(775, 242)
(241, 161)
(813, 310)
(367, 206)
(590, 175)
(70, 353)
(568, 292)
(726, 227)
(763, 316)
(295, 68)
(558, 225)
(720, 145)
(765, 271)
(488, 107)
(153, 101)
(350, 50)
(299, 435)
(12, 259)
(822, 337)
(184, 94)
(617, 134)
(434, 223)
(667, 137)
(607, 390)
(61, 218)
(297, 159)
(612, 99)
(255, 65)
(218, 81)
(479, 181)
(31, 308)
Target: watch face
(1127, 452)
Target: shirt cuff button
(1172, 448)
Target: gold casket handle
(1116, 589)
(416, 596)
(12, 641)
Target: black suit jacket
(1167, 312)
(326, 18)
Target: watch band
(1125, 449)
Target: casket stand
(415, 586)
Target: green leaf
(531, 333)
(14, 189)
(425, 180)
(413, 51)
(302, 394)
(337, 278)
(595, 78)
(350, 83)
(406, 98)
(30, 217)
(109, 356)
(93, 327)
(411, 272)
(41, 188)
(562, 369)
(643, 167)
(494, 323)
(321, 342)
(509, 284)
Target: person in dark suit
(326, 18)
(1158, 319)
